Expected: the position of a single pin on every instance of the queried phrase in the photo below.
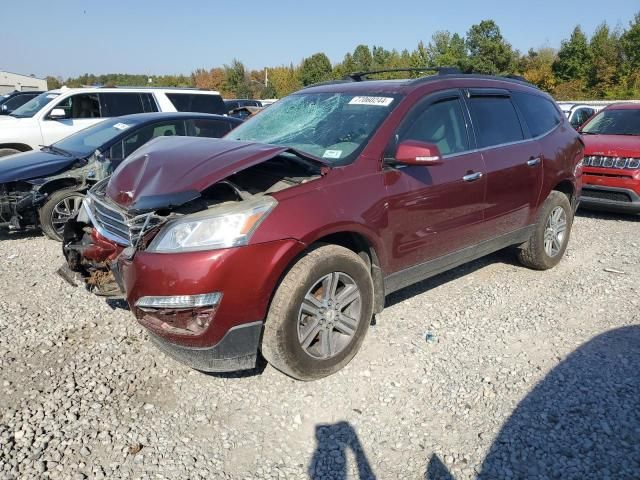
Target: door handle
(472, 177)
(532, 162)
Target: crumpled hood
(171, 171)
(34, 164)
(612, 145)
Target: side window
(443, 124)
(197, 102)
(580, 116)
(148, 102)
(117, 104)
(82, 105)
(540, 114)
(495, 120)
(142, 136)
(208, 128)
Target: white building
(14, 81)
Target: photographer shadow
(330, 457)
(581, 421)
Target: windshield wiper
(58, 150)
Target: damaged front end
(19, 203)
(221, 215)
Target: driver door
(436, 209)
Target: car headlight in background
(221, 227)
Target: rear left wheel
(59, 207)
(320, 314)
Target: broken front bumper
(19, 209)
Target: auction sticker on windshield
(378, 101)
(332, 154)
(121, 126)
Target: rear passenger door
(435, 209)
(513, 160)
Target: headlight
(221, 227)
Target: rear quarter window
(495, 120)
(540, 113)
(198, 103)
(117, 104)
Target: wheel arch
(363, 247)
(22, 147)
(59, 184)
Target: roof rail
(360, 76)
(155, 87)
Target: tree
(210, 80)
(53, 82)
(235, 79)
(314, 69)
(284, 80)
(362, 58)
(447, 50)
(605, 61)
(488, 51)
(537, 68)
(574, 57)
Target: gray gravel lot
(491, 370)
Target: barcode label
(379, 101)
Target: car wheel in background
(546, 246)
(58, 208)
(320, 314)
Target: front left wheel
(319, 314)
(59, 207)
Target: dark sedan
(44, 188)
(13, 100)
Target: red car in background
(611, 166)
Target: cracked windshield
(334, 127)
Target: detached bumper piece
(237, 350)
(612, 199)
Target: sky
(73, 37)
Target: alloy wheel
(555, 231)
(329, 316)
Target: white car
(578, 113)
(56, 114)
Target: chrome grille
(115, 224)
(611, 162)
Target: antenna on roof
(360, 76)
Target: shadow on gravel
(330, 456)
(506, 256)
(603, 215)
(6, 235)
(582, 421)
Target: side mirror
(414, 152)
(57, 114)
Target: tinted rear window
(200, 103)
(540, 114)
(117, 104)
(495, 121)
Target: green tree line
(606, 65)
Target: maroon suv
(286, 236)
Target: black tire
(280, 343)
(48, 210)
(8, 151)
(533, 253)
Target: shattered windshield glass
(332, 126)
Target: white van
(55, 114)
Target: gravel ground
(490, 371)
